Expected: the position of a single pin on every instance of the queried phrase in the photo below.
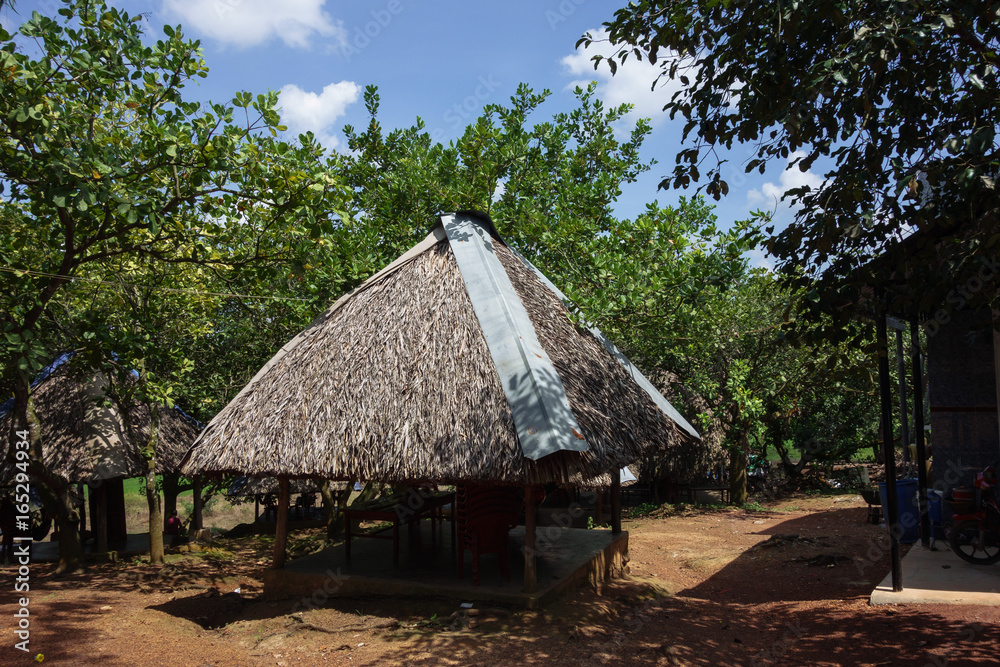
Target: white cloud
(759, 259)
(630, 84)
(246, 23)
(304, 111)
(770, 193)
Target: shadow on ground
(787, 600)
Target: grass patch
(643, 509)
(754, 506)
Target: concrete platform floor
(567, 559)
(941, 577)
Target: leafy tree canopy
(896, 100)
(109, 174)
(105, 167)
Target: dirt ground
(786, 585)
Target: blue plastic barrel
(907, 511)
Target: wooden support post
(281, 527)
(100, 517)
(196, 520)
(904, 425)
(80, 490)
(918, 432)
(885, 399)
(616, 501)
(530, 571)
(114, 495)
(256, 507)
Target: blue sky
(438, 60)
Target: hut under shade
(85, 442)
(458, 363)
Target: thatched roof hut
(691, 460)
(84, 438)
(457, 363)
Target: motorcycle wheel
(964, 541)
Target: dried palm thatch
(691, 459)
(395, 383)
(84, 438)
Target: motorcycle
(975, 536)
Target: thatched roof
(84, 438)
(690, 460)
(396, 383)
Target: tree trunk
(334, 503)
(67, 523)
(123, 403)
(99, 515)
(738, 472)
(792, 469)
(54, 491)
(196, 512)
(370, 491)
(152, 495)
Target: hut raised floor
(567, 560)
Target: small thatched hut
(457, 363)
(85, 440)
(84, 435)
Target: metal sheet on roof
(544, 421)
(636, 374)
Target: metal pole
(918, 432)
(901, 372)
(885, 396)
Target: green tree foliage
(109, 171)
(677, 294)
(547, 185)
(896, 101)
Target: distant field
(219, 513)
